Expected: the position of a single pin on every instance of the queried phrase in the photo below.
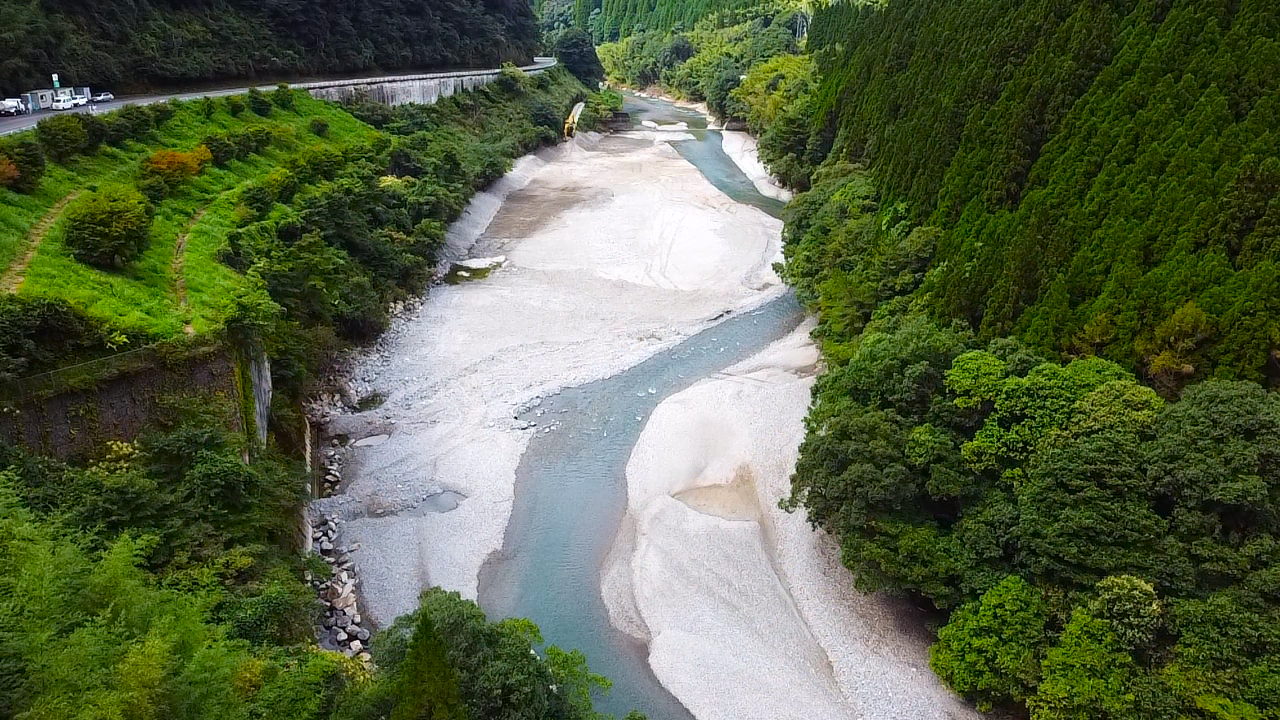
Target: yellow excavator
(571, 124)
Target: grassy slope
(143, 297)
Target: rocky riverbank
(343, 628)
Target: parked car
(12, 106)
(64, 103)
(79, 100)
(103, 97)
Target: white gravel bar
(748, 613)
(744, 151)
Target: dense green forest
(159, 43)
(161, 578)
(709, 61)
(155, 583)
(1040, 238)
(1105, 173)
(613, 20)
(622, 18)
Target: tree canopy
(152, 43)
(1105, 175)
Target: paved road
(9, 125)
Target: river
(571, 491)
(595, 411)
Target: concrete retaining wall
(76, 422)
(391, 89)
(423, 89)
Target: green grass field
(143, 298)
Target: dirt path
(179, 255)
(13, 275)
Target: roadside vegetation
(298, 222)
(1039, 239)
(145, 148)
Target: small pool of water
(442, 502)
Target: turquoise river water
(570, 488)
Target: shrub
(257, 198)
(9, 175)
(237, 145)
(109, 227)
(575, 50)
(131, 122)
(245, 243)
(317, 162)
(235, 105)
(95, 130)
(512, 78)
(283, 97)
(280, 614)
(62, 137)
(244, 143)
(38, 334)
(222, 149)
(258, 138)
(545, 114)
(259, 103)
(281, 185)
(154, 187)
(25, 155)
(162, 112)
(320, 127)
(175, 166)
(208, 107)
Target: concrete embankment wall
(68, 418)
(423, 89)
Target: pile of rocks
(330, 404)
(343, 628)
(333, 461)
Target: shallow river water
(705, 151)
(571, 490)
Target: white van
(63, 103)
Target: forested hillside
(613, 20)
(709, 61)
(1104, 173)
(1041, 238)
(152, 43)
(621, 18)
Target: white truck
(12, 106)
